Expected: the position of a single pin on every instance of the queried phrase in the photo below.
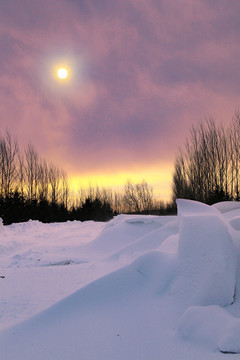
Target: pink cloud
(144, 71)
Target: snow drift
(146, 287)
(207, 258)
(211, 326)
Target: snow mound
(235, 223)
(148, 242)
(211, 326)
(207, 257)
(194, 208)
(226, 206)
(170, 245)
(96, 315)
(123, 230)
(158, 268)
(230, 341)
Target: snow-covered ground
(135, 288)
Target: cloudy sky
(141, 73)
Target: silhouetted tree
(137, 197)
(8, 167)
(32, 174)
(208, 168)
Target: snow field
(135, 288)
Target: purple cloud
(143, 72)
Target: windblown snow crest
(151, 287)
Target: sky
(141, 72)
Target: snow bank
(111, 318)
(122, 231)
(235, 223)
(226, 206)
(170, 245)
(119, 290)
(150, 241)
(211, 326)
(207, 258)
(194, 208)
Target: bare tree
(32, 171)
(130, 198)
(235, 155)
(65, 191)
(202, 171)
(8, 165)
(21, 174)
(54, 181)
(118, 202)
(43, 180)
(137, 197)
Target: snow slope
(135, 288)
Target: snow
(207, 257)
(227, 206)
(211, 326)
(135, 288)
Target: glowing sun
(62, 73)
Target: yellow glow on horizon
(160, 179)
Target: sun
(62, 73)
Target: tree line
(32, 188)
(207, 169)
